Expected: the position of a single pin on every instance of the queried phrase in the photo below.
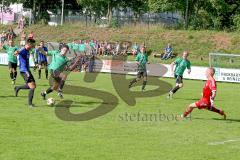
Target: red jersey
(209, 86)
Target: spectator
(105, 46)
(10, 35)
(82, 47)
(125, 48)
(84, 51)
(21, 23)
(31, 35)
(93, 46)
(116, 48)
(88, 47)
(74, 46)
(92, 55)
(3, 37)
(101, 49)
(135, 49)
(23, 39)
(108, 50)
(96, 46)
(168, 52)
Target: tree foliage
(201, 14)
(197, 14)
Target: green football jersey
(142, 59)
(82, 47)
(181, 65)
(92, 44)
(75, 46)
(58, 61)
(10, 51)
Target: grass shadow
(9, 96)
(218, 119)
(228, 119)
(44, 85)
(192, 99)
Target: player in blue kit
(25, 71)
(42, 60)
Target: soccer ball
(50, 101)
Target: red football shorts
(203, 104)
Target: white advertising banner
(160, 70)
(163, 70)
(116, 66)
(228, 75)
(4, 60)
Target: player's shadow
(192, 99)
(43, 85)
(80, 105)
(227, 120)
(89, 102)
(219, 119)
(8, 96)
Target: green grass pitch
(37, 134)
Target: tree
(181, 6)
(218, 14)
(138, 7)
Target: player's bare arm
(16, 53)
(212, 98)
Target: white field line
(223, 142)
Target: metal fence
(120, 18)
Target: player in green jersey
(12, 59)
(181, 64)
(142, 61)
(74, 46)
(57, 67)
